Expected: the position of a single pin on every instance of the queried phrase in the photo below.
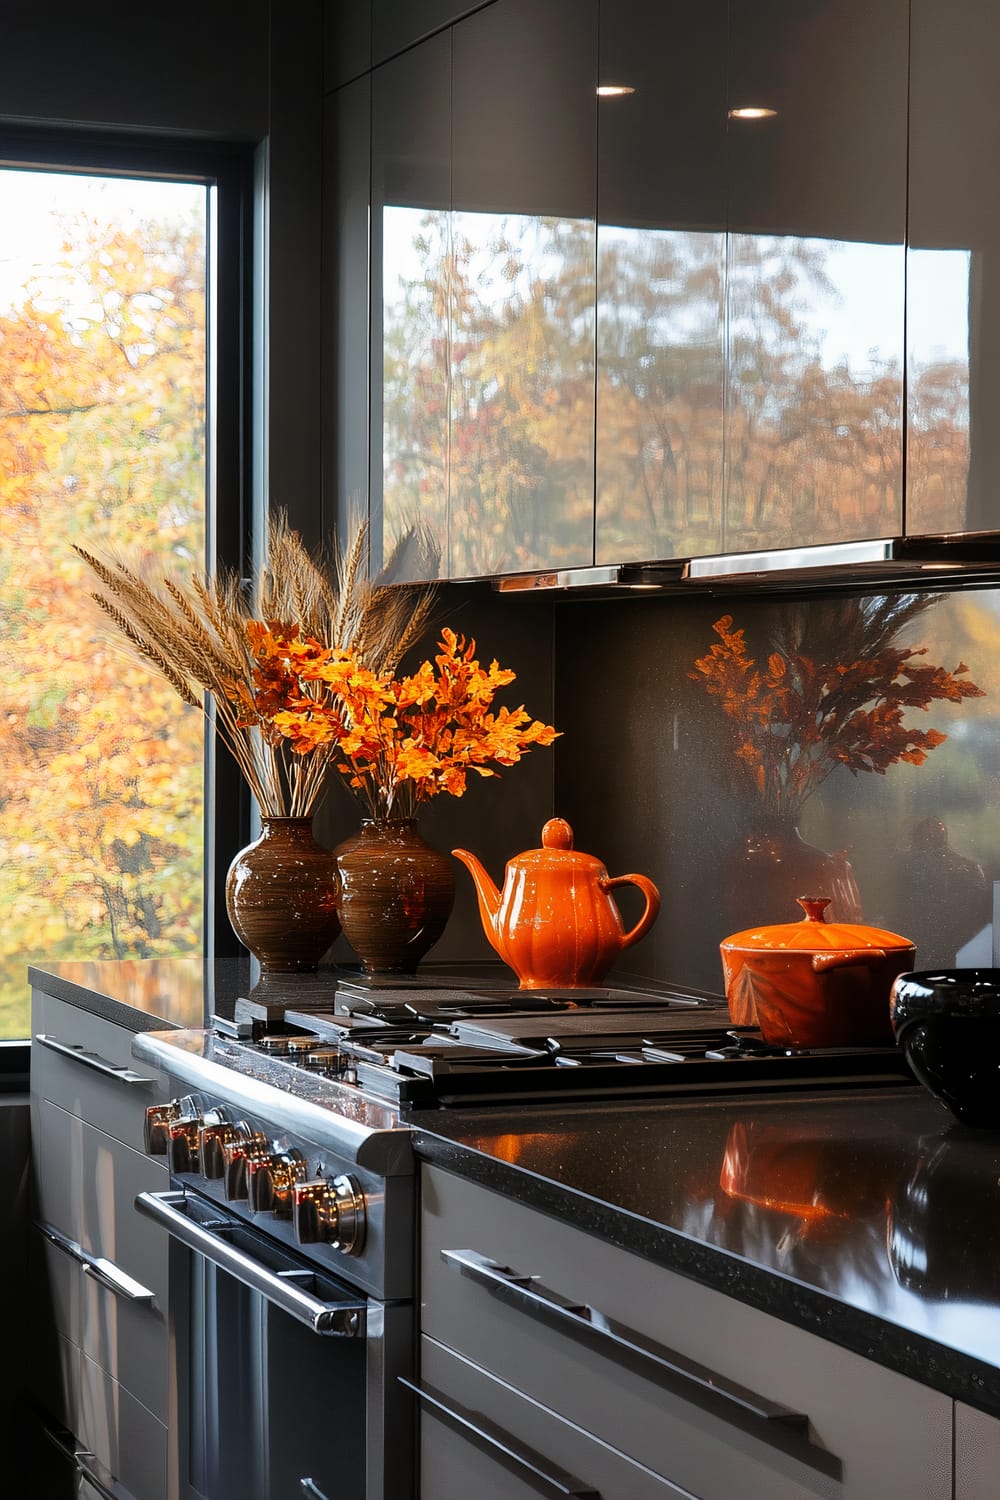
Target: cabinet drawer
(122, 1435)
(869, 1431)
(479, 1438)
(977, 1454)
(87, 1185)
(98, 1084)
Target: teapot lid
(557, 849)
(816, 934)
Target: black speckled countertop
(871, 1219)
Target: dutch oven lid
(816, 934)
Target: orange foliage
(803, 715)
(398, 741)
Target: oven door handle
(509, 1451)
(636, 1352)
(343, 1318)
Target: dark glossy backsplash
(862, 729)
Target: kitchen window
(121, 357)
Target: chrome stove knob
(213, 1137)
(185, 1135)
(236, 1152)
(331, 1210)
(156, 1128)
(270, 1180)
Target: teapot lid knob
(557, 834)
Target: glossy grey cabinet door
(399, 23)
(660, 268)
(523, 267)
(346, 309)
(816, 268)
(411, 299)
(347, 40)
(953, 269)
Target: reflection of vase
(770, 869)
(281, 895)
(396, 894)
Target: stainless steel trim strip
(105, 1271)
(92, 1060)
(344, 1318)
(834, 555)
(341, 1119)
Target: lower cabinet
(586, 1359)
(98, 1350)
(977, 1454)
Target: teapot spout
(488, 896)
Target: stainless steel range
(291, 1209)
(290, 1216)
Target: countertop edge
(129, 1017)
(928, 1363)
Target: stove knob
(213, 1137)
(183, 1150)
(331, 1210)
(245, 1143)
(270, 1180)
(156, 1130)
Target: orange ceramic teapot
(555, 922)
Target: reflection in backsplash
(889, 768)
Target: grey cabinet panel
(660, 273)
(411, 370)
(87, 1186)
(977, 1454)
(953, 286)
(346, 309)
(523, 287)
(890, 1435)
(347, 40)
(121, 1434)
(111, 1103)
(816, 270)
(459, 1462)
(399, 23)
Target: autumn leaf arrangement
(402, 740)
(242, 654)
(833, 692)
(302, 678)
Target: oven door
(285, 1378)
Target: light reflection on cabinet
(815, 275)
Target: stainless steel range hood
(889, 560)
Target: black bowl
(947, 1022)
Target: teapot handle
(652, 896)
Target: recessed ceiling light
(752, 112)
(613, 90)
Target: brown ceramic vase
(396, 894)
(281, 895)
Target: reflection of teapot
(555, 922)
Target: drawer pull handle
(311, 1488)
(783, 1427)
(507, 1450)
(92, 1060)
(105, 1271)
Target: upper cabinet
(524, 188)
(661, 247)
(815, 271)
(654, 280)
(953, 269)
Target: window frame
(229, 514)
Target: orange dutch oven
(815, 983)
